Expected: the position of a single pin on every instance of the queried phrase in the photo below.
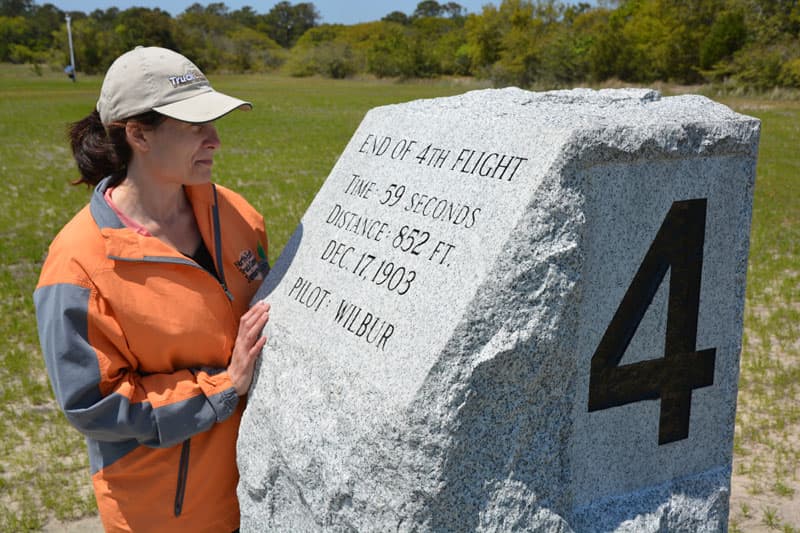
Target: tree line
(529, 43)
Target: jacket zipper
(218, 244)
(183, 472)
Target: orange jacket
(136, 338)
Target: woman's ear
(136, 136)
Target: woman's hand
(247, 348)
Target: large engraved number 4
(678, 246)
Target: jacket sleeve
(100, 390)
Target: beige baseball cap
(158, 79)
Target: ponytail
(102, 151)
(95, 151)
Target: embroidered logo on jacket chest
(252, 267)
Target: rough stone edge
(690, 504)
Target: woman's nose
(212, 138)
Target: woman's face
(181, 152)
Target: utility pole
(72, 72)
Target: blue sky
(332, 11)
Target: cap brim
(204, 107)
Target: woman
(142, 303)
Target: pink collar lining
(125, 219)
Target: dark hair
(102, 151)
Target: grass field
(766, 481)
(277, 156)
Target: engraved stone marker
(509, 310)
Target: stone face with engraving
(505, 310)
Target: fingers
(254, 314)
(248, 346)
(252, 324)
(255, 350)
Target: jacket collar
(122, 242)
(103, 215)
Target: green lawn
(766, 488)
(277, 156)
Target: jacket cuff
(219, 390)
(224, 403)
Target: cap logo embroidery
(191, 76)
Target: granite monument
(509, 310)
